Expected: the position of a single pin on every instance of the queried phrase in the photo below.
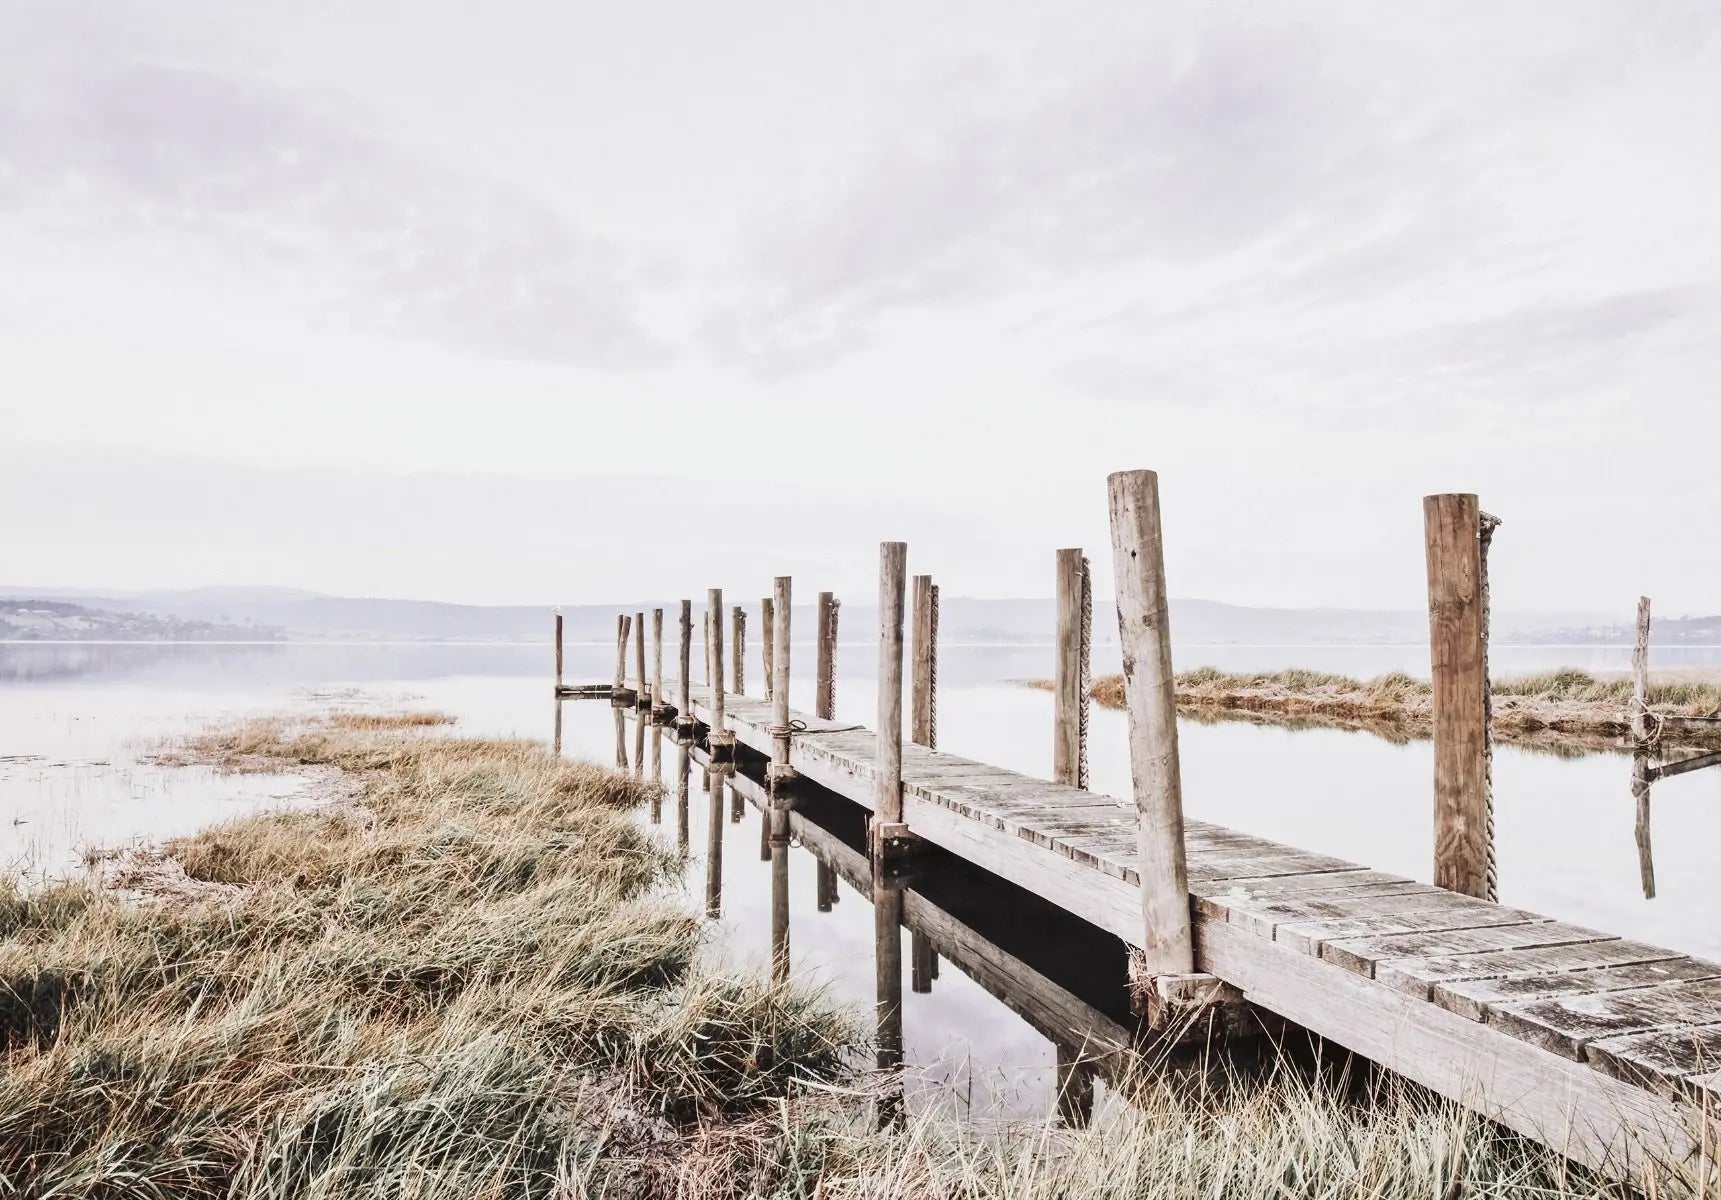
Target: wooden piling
(683, 762)
(1068, 697)
(642, 697)
(1144, 632)
(714, 843)
(1458, 664)
(714, 620)
(778, 819)
(657, 658)
(558, 653)
(1640, 749)
(887, 906)
(738, 647)
(887, 803)
(621, 630)
(825, 659)
(923, 723)
(782, 609)
(767, 635)
(826, 893)
(684, 689)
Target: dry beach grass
(467, 979)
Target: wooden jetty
(1606, 1049)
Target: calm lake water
(79, 720)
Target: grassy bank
(1556, 709)
(461, 978)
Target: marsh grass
(464, 980)
(1566, 711)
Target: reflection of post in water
(682, 760)
(714, 844)
(1075, 1086)
(556, 739)
(780, 778)
(620, 738)
(887, 950)
(827, 886)
(1645, 854)
(921, 963)
(639, 723)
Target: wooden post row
(1458, 671)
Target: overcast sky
(559, 302)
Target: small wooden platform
(1603, 1048)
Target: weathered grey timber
(1449, 990)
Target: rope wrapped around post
(1486, 526)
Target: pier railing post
(642, 698)
(1070, 671)
(1458, 669)
(1174, 992)
(888, 829)
(719, 739)
(781, 775)
(825, 659)
(923, 728)
(658, 706)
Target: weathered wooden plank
(1666, 1061)
(1399, 952)
(1469, 997)
(1310, 936)
(1418, 976)
(1575, 1109)
(1565, 1024)
(1261, 910)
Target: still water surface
(79, 720)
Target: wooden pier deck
(1604, 1048)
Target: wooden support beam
(888, 829)
(1696, 762)
(825, 659)
(923, 724)
(826, 895)
(1144, 632)
(1458, 667)
(782, 609)
(1068, 699)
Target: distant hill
(32, 620)
(229, 613)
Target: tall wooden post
(558, 653)
(1144, 632)
(887, 801)
(825, 659)
(1640, 752)
(1458, 661)
(684, 689)
(767, 636)
(621, 631)
(782, 610)
(642, 696)
(1069, 697)
(714, 619)
(657, 701)
(738, 647)
(923, 727)
(781, 773)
